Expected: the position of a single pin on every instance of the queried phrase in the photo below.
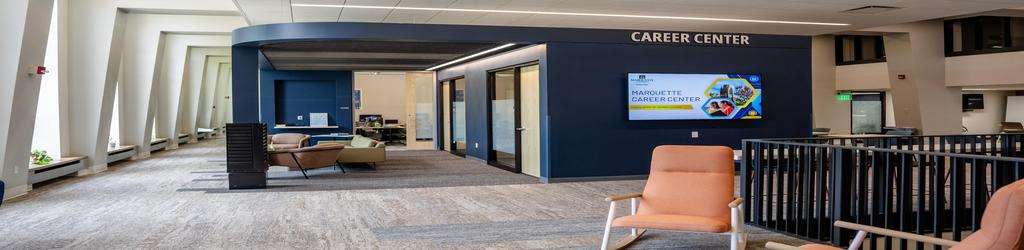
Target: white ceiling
(282, 11)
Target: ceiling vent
(871, 9)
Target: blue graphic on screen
(694, 96)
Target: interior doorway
(395, 107)
(514, 117)
(867, 112)
(453, 102)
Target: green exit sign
(844, 97)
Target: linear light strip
(567, 14)
(471, 56)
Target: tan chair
(303, 159)
(1002, 227)
(690, 188)
(361, 150)
(288, 141)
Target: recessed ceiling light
(567, 14)
(471, 56)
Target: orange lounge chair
(1002, 227)
(690, 188)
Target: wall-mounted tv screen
(973, 101)
(694, 96)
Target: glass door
(419, 109)
(458, 116)
(867, 113)
(453, 114)
(504, 119)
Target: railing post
(745, 178)
(841, 192)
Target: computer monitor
(370, 117)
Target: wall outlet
(476, 145)
(300, 118)
(694, 134)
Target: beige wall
(383, 94)
(985, 70)
(986, 121)
(828, 111)
(868, 76)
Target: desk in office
(387, 133)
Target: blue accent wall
(584, 123)
(286, 94)
(245, 93)
(591, 135)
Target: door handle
(520, 129)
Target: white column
(95, 29)
(223, 90)
(170, 86)
(208, 91)
(193, 85)
(26, 25)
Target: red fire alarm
(41, 70)
(901, 76)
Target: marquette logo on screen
(642, 80)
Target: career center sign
(689, 38)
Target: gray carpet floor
(161, 203)
(403, 169)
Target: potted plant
(39, 157)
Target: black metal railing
(931, 185)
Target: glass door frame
(517, 85)
(450, 133)
(881, 98)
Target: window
(46, 134)
(859, 49)
(115, 120)
(984, 34)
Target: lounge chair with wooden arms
(303, 159)
(690, 188)
(1002, 227)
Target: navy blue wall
(306, 92)
(590, 134)
(477, 94)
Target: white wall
(204, 114)
(170, 87)
(987, 120)
(382, 94)
(193, 84)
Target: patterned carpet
(403, 169)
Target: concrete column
(27, 25)
(828, 112)
(916, 64)
(223, 90)
(170, 85)
(95, 28)
(192, 87)
(204, 114)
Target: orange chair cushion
(694, 181)
(1002, 225)
(672, 222)
(819, 247)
